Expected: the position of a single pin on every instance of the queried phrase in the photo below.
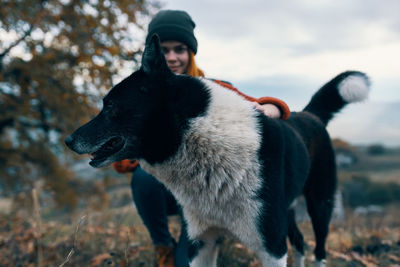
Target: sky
(288, 49)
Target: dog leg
(207, 255)
(321, 263)
(268, 260)
(320, 195)
(296, 239)
(298, 259)
(320, 213)
(207, 249)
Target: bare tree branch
(8, 49)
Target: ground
(118, 238)
(113, 234)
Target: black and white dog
(232, 169)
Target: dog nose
(68, 141)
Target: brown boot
(165, 256)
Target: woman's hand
(269, 110)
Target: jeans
(154, 203)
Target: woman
(153, 201)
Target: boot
(165, 256)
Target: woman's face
(177, 56)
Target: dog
(231, 168)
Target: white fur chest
(215, 173)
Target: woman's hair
(192, 69)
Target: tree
(376, 149)
(57, 58)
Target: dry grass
(115, 236)
(110, 238)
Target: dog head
(143, 116)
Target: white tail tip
(354, 88)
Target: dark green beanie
(173, 25)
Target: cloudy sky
(288, 49)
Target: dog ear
(153, 60)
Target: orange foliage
(47, 90)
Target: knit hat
(173, 25)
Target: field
(113, 235)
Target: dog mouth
(106, 150)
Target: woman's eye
(177, 50)
(180, 49)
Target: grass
(115, 235)
(110, 238)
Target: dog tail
(347, 87)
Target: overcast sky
(288, 49)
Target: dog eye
(143, 89)
(108, 105)
(110, 109)
(112, 112)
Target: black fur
(165, 100)
(278, 149)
